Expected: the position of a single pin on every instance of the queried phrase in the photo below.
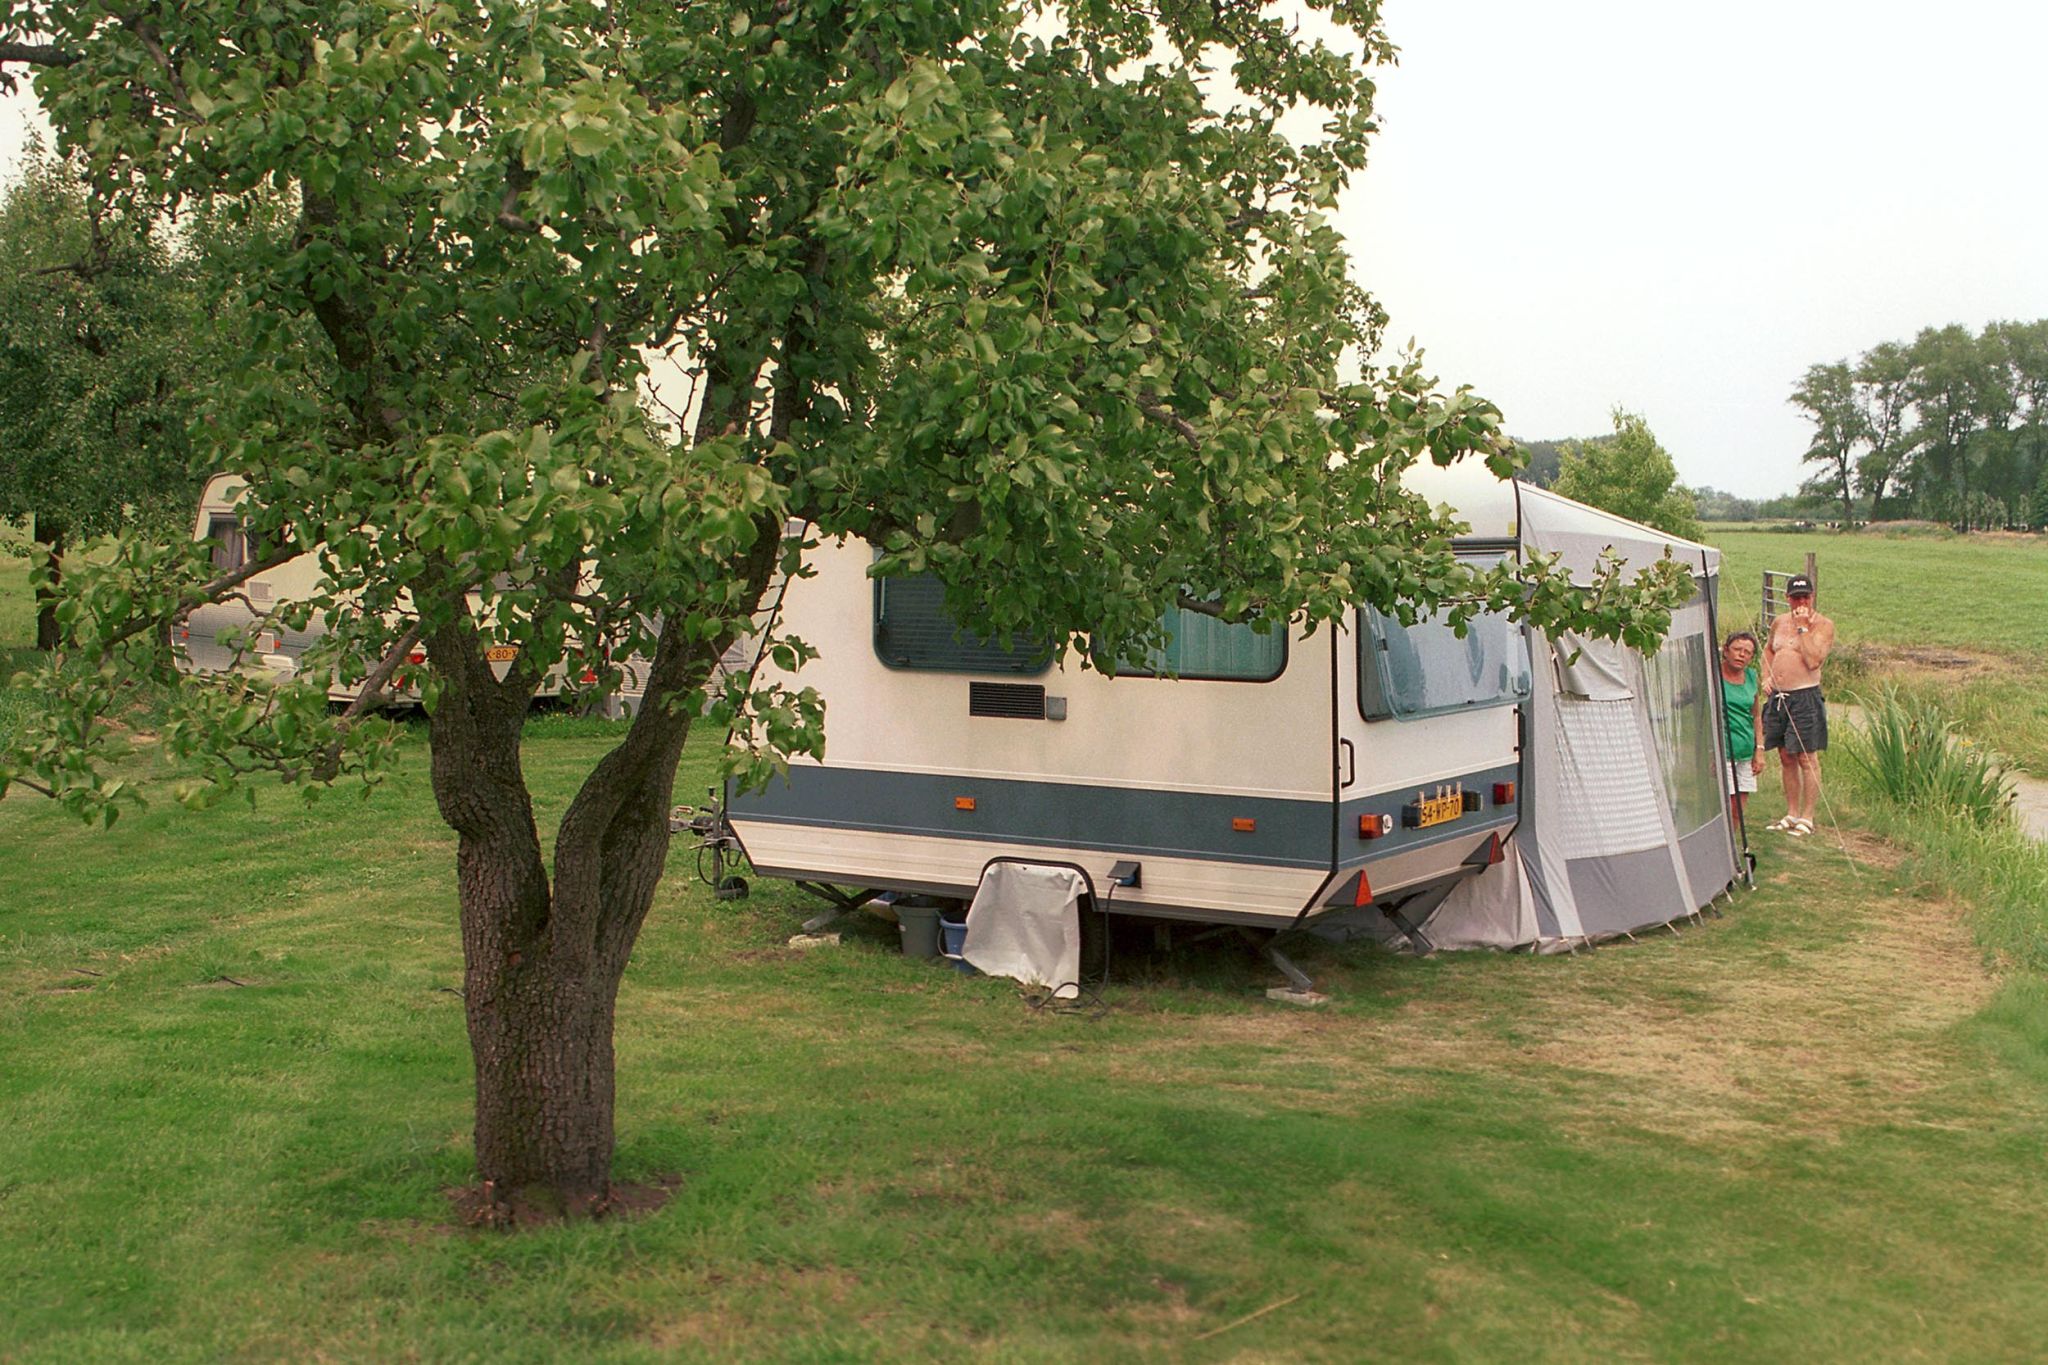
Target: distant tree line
(1950, 427)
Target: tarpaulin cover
(1025, 923)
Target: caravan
(245, 633)
(1270, 780)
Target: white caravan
(1274, 778)
(224, 637)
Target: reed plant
(1915, 757)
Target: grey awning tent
(1625, 820)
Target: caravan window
(912, 630)
(1406, 672)
(1200, 647)
(229, 542)
(1683, 694)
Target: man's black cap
(1799, 585)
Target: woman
(1739, 698)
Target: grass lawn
(1963, 617)
(235, 1085)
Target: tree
(1883, 390)
(1631, 475)
(1025, 312)
(1957, 393)
(1827, 393)
(1542, 461)
(95, 367)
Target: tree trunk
(49, 538)
(540, 1029)
(539, 1018)
(542, 962)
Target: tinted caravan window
(912, 630)
(1405, 672)
(1201, 647)
(229, 543)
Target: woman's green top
(1740, 699)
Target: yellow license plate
(499, 654)
(1440, 810)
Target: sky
(1678, 208)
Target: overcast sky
(1678, 208)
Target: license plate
(1440, 809)
(500, 654)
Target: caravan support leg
(843, 904)
(1300, 988)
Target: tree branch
(1167, 417)
(210, 592)
(373, 687)
(39, 54)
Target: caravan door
(1428, 756)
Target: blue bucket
(953, 938)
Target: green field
(236, 1086)
(1965, 618)
(1976, 593)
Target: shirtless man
(1795, 715)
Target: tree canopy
(97, 359)
(1952, 425)
(1631, 475)
(1027, 299)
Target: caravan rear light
(963, 803)
(1503, 793)
(1472, 801)
(1244, 824)
(1374, 826)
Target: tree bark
(49, 538)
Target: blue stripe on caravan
(1352, 850)
(1288, 833)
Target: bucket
(920, 926)
(953, 935)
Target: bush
(1910, 751)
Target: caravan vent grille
(1013, 701)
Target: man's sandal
(1781, 824)
(1799, 828)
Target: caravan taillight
(963, 803)
(1503, 793)
(1244, 824)
(1373, 826)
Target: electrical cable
(1087, 1000)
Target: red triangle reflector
(1364, 896)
